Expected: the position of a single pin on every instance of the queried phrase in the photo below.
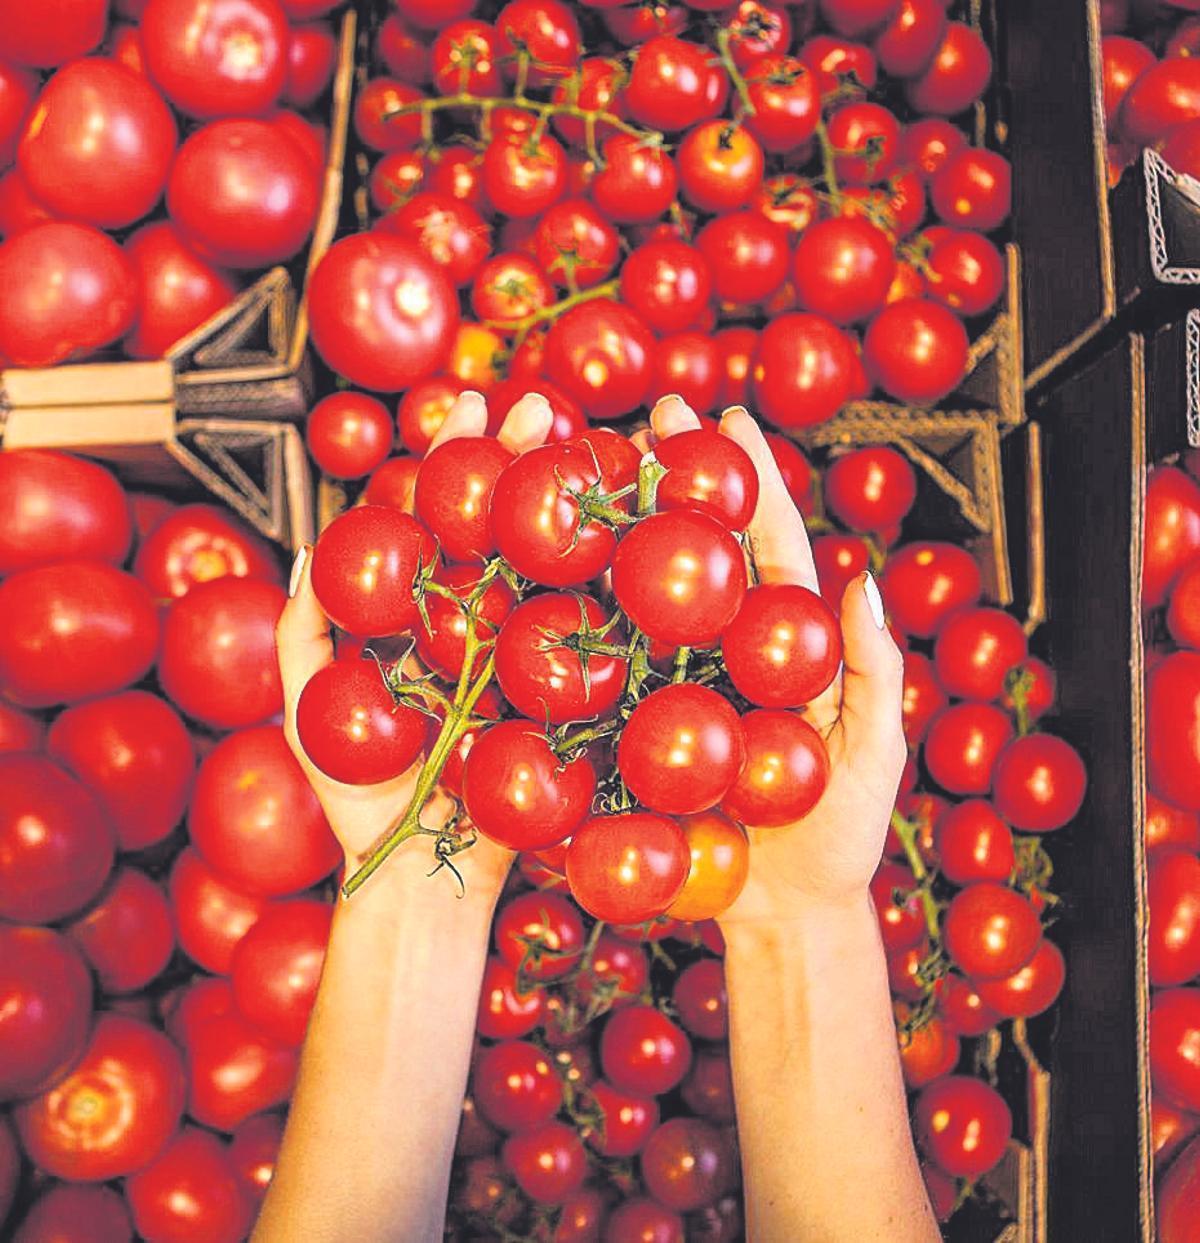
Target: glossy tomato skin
(976, 649)
(963, 1125)
(76, 1213)
(540, 933)
(637, 183)
(701, 1000)
(627, 1119)
(1172, 531)
(453, 496)
(897, 907)
(804, 370)
(1123, 61)
(990, 931)
(927, 1052)
(923, 583)
(312, 52)
(522, 176)
(601, 353)
(547, 1162)
(1174, 1045)
(56, 844)
(643, 1051)
(515, 1086)
(255, 819)
(210, 916)
(680, 577)
(450, 231)
(382, 313)
(627, 869)
(53, 33)
(786, 770)
(442, 643)
(234, 1071)
(127, 935)
(787, 102)
(708, 472)
(574, 240)
(684, 1164)
(720, 862)
(504, 1013)
(519, 794)
(973, 843)
(870, 489)
(18, 89)
(668, 283)
(393, 484)
(464, 58)
(973, 189)
(69, 289)
(46, 1015)
(748, 255)
(1164, 96)
(276, 967)
(963, 744)
(642, 1218)
(254, 1150)
(720, 167)
(114, 1112)
(547, 29)
(349, 434)
(1031, 990)
(916, 350)
(957, 75)
(674, 86)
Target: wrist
(805, 917)
(408, 888)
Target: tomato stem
(522, 327)
(680, 670)
(827, 164)
(906, 831)
(735, 74)
(650, 474)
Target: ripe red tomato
(68, 290)
(668, 283)
(965, 272)
(963, 745)
(957, 75)
(423, 410)
(643, 1051)
(45, 1010)
(684, 1164)
(787, 102)
(843, 268)
(990, 931)
(973, 843)
(597, 87)
(866, 136)
(210, 916)
(255, 819)
(382, 313)
(924, 583)
(76, 1213)
(516, 1086)
(53, 33)
(1039, 783)
(1032, 989)
(518, 792)
(1123, 61)
(56, 844)
(927, 1052)
(393, 484)
(927, 143)
(675, 85)
(700, 998)
(18, 208)
(963, 1007)
(312, 53)
(349, 434)
(114, 1112)
(747, 254)
(916, 350)
(601, 353)
(547, 1162)
(241, 195)
(448, 229)
(973, 189)
(541, 934)
(1167, 826)
(396, 177)
(804, 370)
(641, 1218)
(234, 1071)
(1163, 96)
(1170, 1129)
(1175, 1046)
(720, 166)
(453, 496)
(1172, 531)
(547, 30)
(962, 1124)
(839, 560)
(126, 936)
(441, 643)
(627, 869)
(184, 1009)
(708, 472)
(897, 907)
(522, 175)
(870, 489)
(688, 364)
(228, 58)
(617, 975)
(575, 245)
(504, 1013)
(1183, 611)
(975, 651)
(906, 45)
(786, 770)
(626, 1120)
(464, 58)
(1177, 1195)
(378, 121)
(637, 183)
(510, 286)
(857, 17)
(253, 1150)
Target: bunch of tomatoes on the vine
(212, 109)
(772, 204)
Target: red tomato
(522, 176)
(857, 17)
(708, 472)
(957, 75)
(597, 87)
(56, 844)
(804, 370)
(866, 137)
(312, 51)
(254, 1150)
(836, 62)
(1170, 1129)
(1183, 611)
(786, 770)
(218, 661)
(798, 474)
(963, 1007)
(916, 350)
(963, 745)
(505, 1013)
(720, 166)
(126, 936)
(1039, 783)
(516, 1086)
(747, 254)
(625, 1120)
(668, 283)
(973, 189)
(965, 272)
(842, 269)
(674, 85)
(228, 58)
(235, 1071)
(517, 791)
(394, 484)
(927, 1052)
(684, 1164)
(45, 1011)
(897, 907)
(627, 868)
(255, 819)
(76, 1213)
(601, 354)
(423, 410)
(637, 183)
(575, 245)
(787, 102)
(976, 649)
(276, 967)
(441, 644)
(689, 365)
(450, 231)
(453, 496)
(54, 32)
(1167, 826)
(641, 1218)
(1177, 1195)
(1175, 1046)
(643, 1051)
(242, 197)
(18, 89)
(378, 121)
(617, 974)
(839, 560)
(188, 1006)
(68, 290)
(19, 731)
(1123, 61)
(1032, 989)
(18, 208)
(700, 998)
(464, 58)
(547, 30)
(382, 313)
(927, 143)
(1163, 96)
(962, 1124)
(210, 916)
(349, 434)
(114, 1112)
(974, 844)
(990, 931)
(540, 934)
(906, 45)
(510, 286)
(924, 583)
(547, 1162)
(871, 489)
(396, 177)
(1172, 531)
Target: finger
(777, 536)
(527, 424)
(467, 417)
(872, 690)
(672, 414)
(302, 639)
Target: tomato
(668, 283)
(1175, 1046)
(575, 245)
(547, 30)
(866, 137)
(505, 1013)
(450, 231)
(185, 1008)
(688, 364)
(1183, 611)
(1032, 989)
(857, 17)
(674, 85)
(786, 770)
(957, 75)
(441, 643)
(974, 844)
(114, 1112)
(127, 935)
(210, 916)
(1123, 61)
(476, 357)
(510, 286)
(871, 489)
(924, 810)
(798, 474)
(1170, 1129)
(518, 792)
(927, 1052)
(840, 63)
(916, 350)
(235, 1071)
(973, 189)
(963, 1007)
(626, 1120)
(962, 1124)
(396, 177)
(18, 208)
(515, 1086)
(643, 1051)
(720, 166)
(803, 370)
(54, 32)
(965, 272)
(1163, 96)
(976, 649)
(453, 496)
(637, 182)
(601, 353)
(485, 1191)
(378, 120)
(312, 53)
(617, 974)
(1172, 531)
(628, 868)
(464, 58)
(254, 1150)
(641, 1218)
(927, 143)
(1167, 826)
(76, 1213)
(963, 746)
(701, 1000)
(839, 560)
(68, 289)
(255, 819)
(597, 87)
(906, 45)
(19, 731)
(349, 434)
(924, 583)
(540, 934)
(756, 30)
(1039, 783)
(523, 175)
(747, 254)
(684, 1164)
(393, 484)
(364, 568)
(842, 269)
(547, 1162)
(423, 410)
(906, 970)
(1177, 1195)
(897, 906)
(990, 931)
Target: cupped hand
(361, 815)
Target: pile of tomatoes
(1171, 603)
(752, 202)
(1151, 84)
(209, 109)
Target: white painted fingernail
(874, 600)
(297, 569)
(473, 395)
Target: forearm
(825, 1138)
(371, 1132)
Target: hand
(830, 855)
(360, 815)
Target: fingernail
(874, 599)
(734, 410)
(476, 396)
(297, 569)
(666, 397)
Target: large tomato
(235, 1071)
(217, 661)
(133, 752)
(100, 125)
(51, 33)
(217, 58)
(211, 917)
(56, 844)
(126, 935)
(804, 369)
(382, 313)
(255, 819)
(1172, 531)
(602, 354)
(18, 208)
(65, 290)
(45, 1009)
(114, 1112)
(243, 194)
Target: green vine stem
(521, 328)
(735, 75)
(828, 166)
(906, 831)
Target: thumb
(872, 689)
(302, 639)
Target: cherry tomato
(962, 1124)
(841, 63)
(957, 75)
(637, 183)
(924, 583)
(504, 1012)
(18, 90)
(1175, 1046)
(626, 1120)
(1031, 990)
(450, 231)
(701, 1000)
(349, 434)
(312, 53)
(897, 906)
(674, 85)
(974, 844)
(786, 770)
(540, 934)
(393, 484)
(976, 649)
(601, 354)
(927, 1052)
(547, 30)
(965, 272)
(210, 916)
(1177, 1195)
(515, 1086)
(689, 365)
(857, 17)
(866, 137)
(720, 166)
(684, 1164)
(916, 350)
(234, 1071)
(53, 33)
(747, 254)
(575, 245)
(963, 746)
(510, 286)
(1163, 96)
(906, 45)
(547, 1162)
(973, 189)
(523, 175)
(843, 268)
(963, 1007)
(76, 1213)
(255, 819)
(787, 102)
(1172, 531)
(643, 1051)
(668, 283)
(464, 58)
(871, 489)
(453, 496)
(1123, 61)
(804, 370)
(1170, 1129)
(628, 868)
(441, 644)
(1039, 783)
(990, 931)
(906, 971)
(396, 177)
(476, 356)
(641, 1218)
(927, 143)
